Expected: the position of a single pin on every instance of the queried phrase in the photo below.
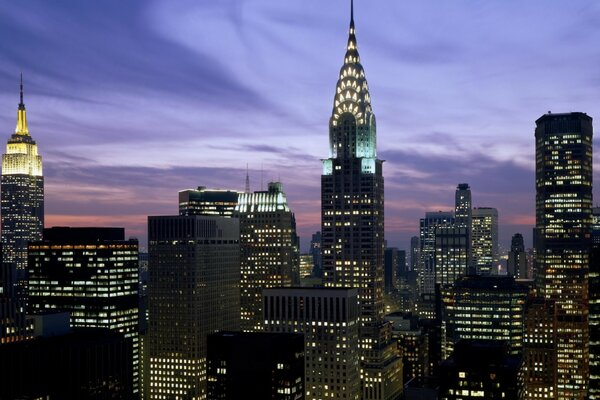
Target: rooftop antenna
(261, 177)
(247, 180)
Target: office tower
(451, 254)
(352, 221)
(22, 205)
(193, 290)
(306, 265)
(517, 259)
(480, 369)
(390, 267)
(415, 248)
(255, 365)
(329, 318)
(484, 240)
(269, 251)
(426, 265)
(539, 349)
(413, 343)
(14, 324)
(82, 364)
(563, 222)
(463, 211)
(203, 201)
(91, 273)
(315, 250)
(594, 293)
(484, 307)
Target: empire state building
(352, 217)
(22, 194)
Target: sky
(132, 101)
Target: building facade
(269, 249)
(484, 240)
(517, 258)
(594, 301)
(563, 239)
(352, 221)
(203, 201)
(91, 273)
(451, 254)
(329, 318)
(22, 186)
(193, 291)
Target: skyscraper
(203, 201)
(22, 205)
(315, 250)
(269, 251)
(517, 259)
(484, 240)
(91, 273)
(595, 308)
(451, 254)
(193, 291)
(463, 213)
(563, 224)
(352, 220)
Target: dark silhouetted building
(480, 369)
(563, 238)
(390, 266)
(413, 343)
(315, 250)
(255, 365)
(517, 258)
(193, 291)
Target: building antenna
(261, 177)
(247, 180)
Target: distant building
(306, 265)
(390, 267)
(484, 307)
(315, 250)
(203, 201)
(22, 203)
(14, 325)
(193, 291)
(91, 273)
(480, 369)
(415, 248)
(564, 172)
(451, 254)
(255, 365)
(484, 240)
(463, 213)
(329, 320)
(517, 258)
(413, 343)
(269, 249)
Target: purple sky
(132, 101)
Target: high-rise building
(480, 369)
(594, 293)
(353, 221)
(193, 291)
(390, 266)
(255, 365)
(14, 324)
(563, 224)
(484, 240)
(539, 350)
(463, 212)
(315, 250)
(451, 254)
(203, 201)
(269, 250)
(517, 258)
(484, 307)
(415, 249)
(22, 204)
(91, 273)
(413, 343)
(329, 318)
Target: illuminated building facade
(463, 212)
(563, 224)
(413, 343)
(22, 204)
(480, 369)
(91, 273)
(306, 265)
(539, 350)
(203, 201)
(193, 291)
(517, 258)
(594, 293)
(255, 365)
(329, 318)
(352, 221)
(269, 249)
(14, 325)
(484, 307)
(484, 240)
(451, 254)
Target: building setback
(563, 238)
(193, 291)
(329, 320)
(255, 365)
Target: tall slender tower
(22, 194)
(352, 221)
(563, 224)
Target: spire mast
(247, 180)
(21, 104)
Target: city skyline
(138, 103)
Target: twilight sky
(132, 101)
